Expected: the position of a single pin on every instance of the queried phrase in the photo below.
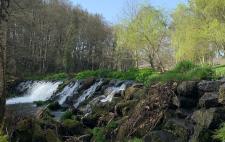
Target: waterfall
(34, 91)
(111, 91)
(88, 93)
(69, 90)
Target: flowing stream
(34, 91)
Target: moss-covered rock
(221, 97)
(54, 106)
(51, 136)
(71, 127)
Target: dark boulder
(179, 128)
(209, 100)
(209, 86)
(161, 136)
(221, 97)
(188, 89)
(206, 121)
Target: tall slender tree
(4, 4)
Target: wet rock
(71, 127)
(131, 92)
(205, 121)
(91, 121)
(209, 86)
(209, 100)
(123, 107)
(183, 113)
(221, 97)
(51, 136)
(179, 128)
(85, 84)
(187, 103)
(54, 106)
(188, 89)
(161, 136)
(85, 138)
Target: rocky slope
(111, 110)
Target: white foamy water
(88, 93)
(69, 90)
(111, 91)
(37, 91)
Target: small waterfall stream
(111, 91)
(88, 93)
(34, 91)
(69, 90)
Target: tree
(144, 34)
(4, 4)
(198, 30)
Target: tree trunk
(2, 67)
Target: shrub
(54, 106)
(135, 140)
(40, 103)
(69, 123)
(184, 66)
(98, 134)
(112, 125)
(67, 115)
(220, 133)
(58, 76)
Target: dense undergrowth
(184, 70)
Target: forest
(153, 76)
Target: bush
(112, 125)
(98, 134)
(53, 76)
(69, 123)
(67, 115)
(184, 66)
(135, 140)
(220, 133)
(40, 103)
(54, 106)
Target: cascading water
(69, 90)
(88, 93)
(111, 91)
(35, 91)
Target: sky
(111, 9)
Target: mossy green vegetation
(220, 133)
(52, 76)
(67, 115)
(135, 140)
(3, 138)
(98, 134)
(184, 70)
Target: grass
(184, 70)
(98, 134)
(220, 133)
(52, 76)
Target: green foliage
(54, 76)
(41, 103)
(67, 115)
(69, 123)
(198, 30)
(220, 133)
(184, 66)
(132, 74)
(135, 140)
(219, 71)
(54, 106)
(112, 125)
(98, 134)
(184, 70)
(3, 138)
